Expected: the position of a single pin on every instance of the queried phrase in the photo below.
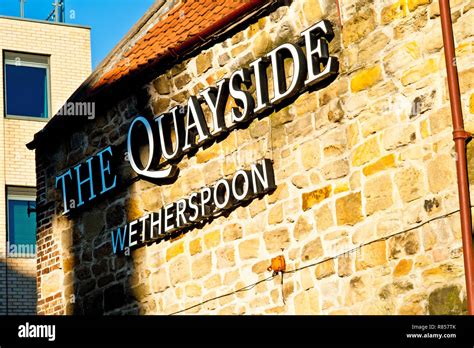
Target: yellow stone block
(352, 134)
(381, 164)
(312, 11)
(412, 49)
(349, 209)
(413, 4)
(366, 78)
(471, 104)
(174, 250)
(464, 48)
(374, 254)
(209, 153)
(316, 196)
(424, 129)
(394, 11)
(466, 80)
(212, 239)
(252, 30)
(275, 215)
(402, 268)
(359, 26)
(325, 269)
(366, 152)
(195, 246)
(341, 188)
(418, 72)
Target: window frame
(26, 63)
(19, 194)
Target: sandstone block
(366, 152)
(202, 266)
(275, 215)
(358, 26)
(414, 4)
(314, 197)
(336, 169)
(262, 44)
(179, 270)
(232, 232)
(51, 283)
(302, 228)
(325, 269)
(378, 194)
(403, 267)
(401, 57)
(323, 217)
(398, 136)
(349, 209)
(280, 193)
(276, 240)
(162, 84)
(312, 11)
(225, 257)
(372, 255)
(195, 246)
(174, 250)
(212, 239)
(205, 155)
(392, 12)
(410, 183)
(312, 250)
(419, 71)
(310, 154)
(249, 249)
(366, 78)
(160, 280)
(441, 173)
(381, 164)
(407, 244)
(446, 301)
(204, 62)
(344, 265)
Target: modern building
(42, 64)
(260, 157)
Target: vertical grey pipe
(22, 8)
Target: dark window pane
(21, 228)
(27, 91)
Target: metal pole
(56, 10)
(62, 16)
(22, 8)
(461, 137)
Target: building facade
(234, 136)
(42, 64)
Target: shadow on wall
(102, 280)
(17, 291)
(99, 281)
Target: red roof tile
(190, 20)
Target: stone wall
(365, 210)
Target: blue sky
(109, 20)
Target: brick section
(70, 63)
(19, 286)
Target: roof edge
(186, 48)
(40, 21)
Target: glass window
(21, 223)
(26, 85)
